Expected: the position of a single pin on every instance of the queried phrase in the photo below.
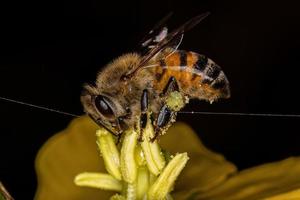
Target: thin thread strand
(241, 114)
(38, 107)
(181, 112)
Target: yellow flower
(207, 175)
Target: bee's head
(102, 109)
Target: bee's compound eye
(103, 106)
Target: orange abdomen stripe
(177, 65)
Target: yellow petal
(291, 195)
(65, 155)
(268, 180)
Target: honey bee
(135, 84)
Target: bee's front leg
(144, 110)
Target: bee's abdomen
(212, 76)
(196, 74)
(175, 65)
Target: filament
(39, 107)
(180, 112)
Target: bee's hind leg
(144, 114)
(170, 87)
(166, 114)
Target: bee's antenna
(240, 114)
(39, 107)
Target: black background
(48, 49)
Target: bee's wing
(155, 35)
(168, 41)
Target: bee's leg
(166, 114)
(144, 110)
(170, 87)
